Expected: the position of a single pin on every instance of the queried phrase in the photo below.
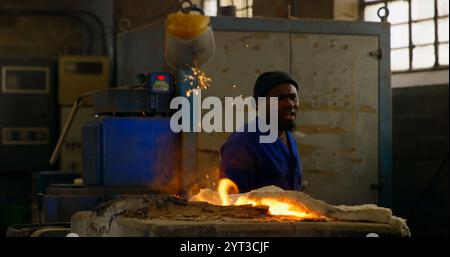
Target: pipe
(67, 127)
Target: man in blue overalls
(251, 164)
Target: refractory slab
(163, 215)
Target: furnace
(164, 215)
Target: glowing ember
(278, 207)
(228, 193)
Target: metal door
(337, 132)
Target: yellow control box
(78, 75)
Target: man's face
(287, 105)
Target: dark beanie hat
(269, 80)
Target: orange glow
(228, 190)
(280, 207)
(225, 187)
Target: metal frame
(411, 46)
(5, 69)
(7, 130)
(382, 31)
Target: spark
(197, 80)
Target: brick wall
(26, 36)
(420, 144)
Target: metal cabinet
(27, 114)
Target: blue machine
(129, 152)
(128, 148)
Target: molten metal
(280, 206)
(226, 186)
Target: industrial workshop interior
(222, 118)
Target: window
(243, 7)
(210, 7)
(419, 32)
